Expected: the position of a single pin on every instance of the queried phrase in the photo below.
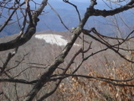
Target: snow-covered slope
(53, 39)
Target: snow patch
(53, 39)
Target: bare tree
(28, 23)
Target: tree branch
(20, 40)
(105, 13)
(18, 81)
(60, 59)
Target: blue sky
(77, 0)
(81, 3)
(69, 0)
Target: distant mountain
(50, 21)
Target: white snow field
(53, 39)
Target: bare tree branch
(20, 40)
(18, 81)
(105, 13)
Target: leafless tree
(28, 23)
